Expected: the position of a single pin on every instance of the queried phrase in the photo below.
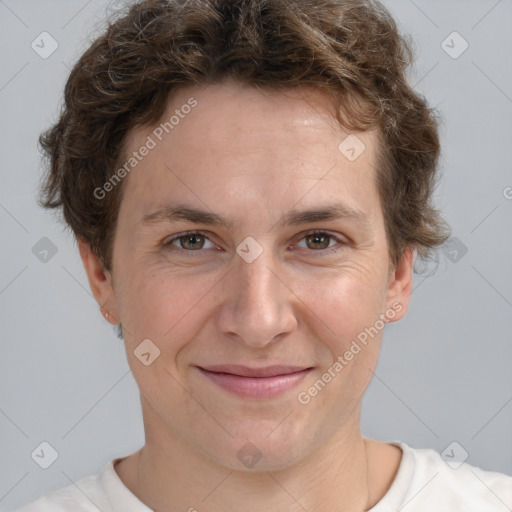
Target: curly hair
(349, 49)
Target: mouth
(264, 382)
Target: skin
(252, 156)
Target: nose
(257, 306)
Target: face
(247, 238)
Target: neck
(172, 476)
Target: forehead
(230, 140)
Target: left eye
(318, 241)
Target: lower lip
(256, 387)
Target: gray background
(444, 373)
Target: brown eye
(318, 241)
(192, 242)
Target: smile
(255, 382)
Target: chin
(258, 448)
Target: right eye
(192, 241)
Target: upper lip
(245, 371)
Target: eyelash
(320, 252)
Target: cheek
(351, 330)
(349, 324)
(167, 309)
(351, 307)
(161, 304)
(347, 300)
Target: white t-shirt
(424, 482)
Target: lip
(264, 382)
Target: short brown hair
(349, 49)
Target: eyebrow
(173, 213)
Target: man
(249, 182)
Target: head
(281, 141)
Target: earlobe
(100, 282)
(109, 317)
(400, 286)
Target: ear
(100, 281)
(400, 286)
